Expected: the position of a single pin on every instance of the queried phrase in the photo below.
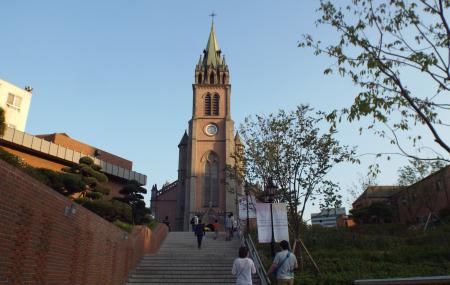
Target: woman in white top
(243, 268)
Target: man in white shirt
(243, 268)
(284, 265)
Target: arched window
(224, 78)
(211, 78)
(199, 78)
(215, 107)
(211, 181)
(208, 105)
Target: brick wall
(40, 244)
(430, 195)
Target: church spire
(212, 51)
(211, 67)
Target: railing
(406, 281)
(246, 239)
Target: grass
(371, 251)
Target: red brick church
(205, 150)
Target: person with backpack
(243, 268)
(283, 265)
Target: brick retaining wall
(42, 244)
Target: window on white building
(14, 101)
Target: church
(205, 151)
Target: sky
(118, 74)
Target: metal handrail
(260, 270)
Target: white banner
(280, 224)
(243, 207)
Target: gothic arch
(212, 78)
(210, 191)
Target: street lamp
(271, 189)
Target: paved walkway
(180, 262)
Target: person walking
(199, 232)
(283, 265)
(166, 221)
(216, 229)
(243, 268)
(194, 222)
(229, 226)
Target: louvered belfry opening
(208, 105)
(215, 108)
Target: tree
(291, 148)
(417, 170)
(132, 195)
(385, 47)
(377, 213)
(2, 122)
(84, 178)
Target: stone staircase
(180, 262)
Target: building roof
(376, 191)
(184, 139)
(212, 53)
(57, 152)
(65, 140)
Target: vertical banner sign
(243, 207)
(280, 224)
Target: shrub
(11, 159)
(152, 224)
(86, 160)
(124, 226)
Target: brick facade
(42, 244)
(430, 195)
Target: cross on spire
(212, 15)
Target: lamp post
(246, 199)
(271, 188)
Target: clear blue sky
(118, 74)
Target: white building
(16, 103)
(327, 217)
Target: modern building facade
(15, 101)
(205, 151)
(328, 218)
(58, 150)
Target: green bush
(101, 189)
(11, 159)
(86, 160)
(124, 226)
(152, 224)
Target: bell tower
(210, 139)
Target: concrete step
(180, 262)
